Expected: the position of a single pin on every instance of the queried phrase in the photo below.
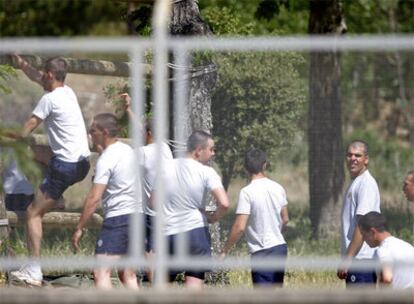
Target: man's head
(104, 126)
(357, 157)
(200, 145)
(408, 186)
(255, 161)
(373, 227)
(55, 70)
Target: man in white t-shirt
(149, 156)
(114, 184)
(396, 256)
(361, 197)
(59, 110)
(186, 182)
(261, 215)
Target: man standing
(59, 110)
(408, 186)
(261, 215)
(391, 252)
(114, 184)
(361, 197)
(186, 182)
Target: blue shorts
(60, 175)
(18, 202)
(361, 277)
(149, 231)
(199, 245)
(263, 277)
(114, 236)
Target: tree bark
(326, 174)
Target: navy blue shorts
(60, 175)
(149, 231)
(114, 236)
(199, 245)
(263, 277)
(18, 202)
(361, 277)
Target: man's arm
(237, 230)
(31, 72)
(91, 203)
(285, 216)
(386, 274)
(32, 123)
(223, 205)
(353, 249)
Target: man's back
(186, 183)
(263, 200)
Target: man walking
(361, 197)
(114, 184)
(186, 182)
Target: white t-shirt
(393, 250)
(64, 124)
(148, 160)
(262, 200)
(14, 181)
(115, 168)
(186, 183)
(361, 197)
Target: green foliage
(258, 102)
(6, 73)
(50, 18)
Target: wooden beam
(81, 66)
(55, 219)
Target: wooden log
(55, 219)
(4, 223)
(81, 66)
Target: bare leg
(35, 213)
(149, 271)
(193, 282)
(128, 277)
(102, 276)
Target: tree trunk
(326, 174)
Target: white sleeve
(103, 171)
(243, 204)
(213, 179)
(384, 255)
(368, 198)
(43, 108)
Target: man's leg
(128, 277)
(102, 276)
(35, 213)
(193, 282)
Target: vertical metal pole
(160, 100)
(136, 241)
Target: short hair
(411, 174)
(372, 219)
(58, 67)
(254, 159)
(359, 143)
(107, 121)
(197, 139)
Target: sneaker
(23, 275)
